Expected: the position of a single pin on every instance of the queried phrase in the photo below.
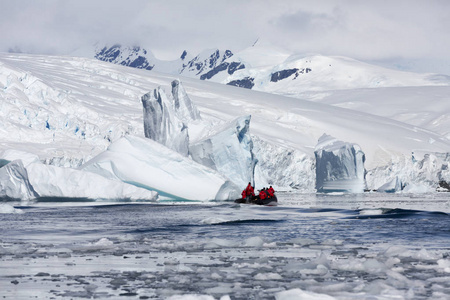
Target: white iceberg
(339, 166)
(37, 180)
(15, 183)
(146, 163)
(52, 181)
(228, 151)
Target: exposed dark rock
(183, 55)
(214, 71)
(283, 74)
(280, 75)
(444, 186)
(112, 54)
(108, 55)
(234, 66)
(246, 82)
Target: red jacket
(262, 195)
(249, 190)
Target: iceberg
(392, 186)
(148, 164)
(52, 181)
(183, 106)
(339, 166)
(14, 182)
(161, 123)
(36, 180)
(229, 151)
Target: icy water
(368, 246)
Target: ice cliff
(339, 166)
(229, 151)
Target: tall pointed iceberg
(161, 123)
(182, 104)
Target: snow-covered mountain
(67, 111)
(272, 70)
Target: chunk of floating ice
(444, 264)
(371, 212)
(9, 209)
(254, 242)
(191, 297)
(268, 276)
(298, 294)
(213, 220)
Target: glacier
(339, 166)
(68, 110)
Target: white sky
(412, 34)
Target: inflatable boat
(272, 201)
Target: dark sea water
(371, 246)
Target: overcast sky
(412, 33)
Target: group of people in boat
(265, 195)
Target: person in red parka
(262, 194)
(249, 190)
(271, 192)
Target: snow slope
(67, 110)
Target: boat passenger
(250, 191)
(271, 192)
(262, 194)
